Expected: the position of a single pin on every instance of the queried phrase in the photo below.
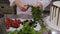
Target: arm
(18, 3)
(15, 2)
(22, 6)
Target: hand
(38, 4)
(23, 7)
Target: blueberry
(30, 20)
(35, 26)
(36, 22)
(31, 23)
(26, 21)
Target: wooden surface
(6, 9)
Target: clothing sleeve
(12, 2)
(45, 3)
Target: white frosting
(53, 21)
(56, 3)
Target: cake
(55, 13)
(53, 20)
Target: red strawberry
(15, 25)
(8, 21)
(7, 26)
(12, 23)
(19, 21)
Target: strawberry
(7, 26)
(14, 25)
(19, 21)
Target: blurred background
(6, 9)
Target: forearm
(14, 2)
(22, 6)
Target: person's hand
(23, 7)
(38, 4)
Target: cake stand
(50, 26)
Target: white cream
(57, 3)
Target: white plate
(21, 26)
